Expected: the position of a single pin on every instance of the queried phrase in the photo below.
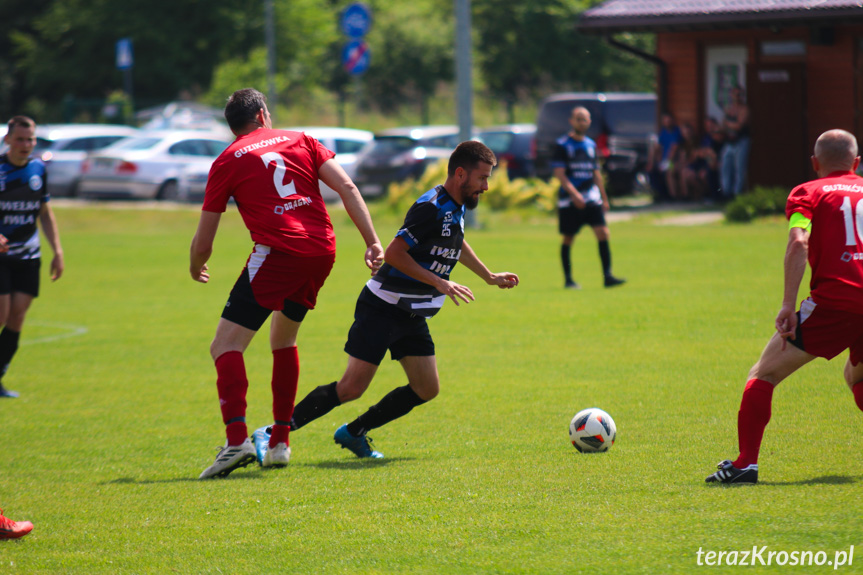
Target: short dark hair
(468, 155)
(243, 107)
(22, 121)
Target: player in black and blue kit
(581, 199)
(411, 286)
(23, 203)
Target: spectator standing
(660, 160)
(825, 222)
(273, 177)
(734, 163)
(23, 207)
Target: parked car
(149, 165)
(622, 125)
(346, 143)
(63, 148)
(401, 153)
(513, 144)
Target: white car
(149, 165)
(345, 142)
(63, 148)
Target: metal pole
(464, 90)
(270, 38)
(464, 86)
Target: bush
(757, 203)
(502, 194)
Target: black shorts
(379, 326)
(243, 309)
(571, 219)
(19, 276)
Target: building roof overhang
(615, 16)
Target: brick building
(799, 61)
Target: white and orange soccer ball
(592, 431)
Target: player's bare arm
(52, 234)
(796, 254)
(202, 246)
(398, 257)
(577, 198)
(333, 175)
(597, 179)
(504, 280)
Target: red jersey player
(272, 175)
(826, 225)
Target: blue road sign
(356, 20)
(124, 54)
(356, 57)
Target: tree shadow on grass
(357, 463)
(251, 473)
(823, 480)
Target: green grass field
(118, 415)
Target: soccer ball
(592, 430)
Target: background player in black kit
(581, 198)
(411, 286)
(23, 202)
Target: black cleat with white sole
(727, 473)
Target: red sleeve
(799, 201)
(320, 153)
(218, 190)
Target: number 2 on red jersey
(284, 190)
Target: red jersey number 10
(851, 219)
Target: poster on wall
(726, 68)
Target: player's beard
(471, 199)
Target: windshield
(385, 145)
(136, 144)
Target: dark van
(622, 125)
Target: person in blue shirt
(581, 197)
(23, 206)
(395, 303)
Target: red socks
(858, 394)
(232, 385)
(286, 375)
(752, 418)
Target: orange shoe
(13, 529)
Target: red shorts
(827, 333)
(277, 276)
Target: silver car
(64, 147)
(149, 165)
(397, 154)
(346, 143)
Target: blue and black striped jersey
(434, 230)
(22, 193)
(578, 158)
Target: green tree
(69, 48)
(526, 49)
(412, 52)
(17, 18)
(305, 32)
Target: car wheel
(170, 190)
(73, 189)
